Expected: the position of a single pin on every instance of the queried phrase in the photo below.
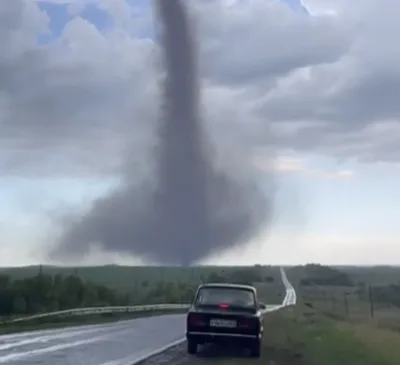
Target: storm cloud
(195, 208)
(320, 84)
(79, 103)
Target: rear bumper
(206, 337)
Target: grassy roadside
(54, 323)
(306, 338)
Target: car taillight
(197, 320)
(223, 306)
(246, 323)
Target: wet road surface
(111, 344)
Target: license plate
(222, 323)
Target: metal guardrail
(289, 300)
(103, 310)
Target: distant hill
(127, 278)
(374, 275)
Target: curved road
(119, 343)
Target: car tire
(191, 346)
(255, 349)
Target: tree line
(319, 276)
(46, 293)
(316, 274)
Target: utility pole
(346, 304)
(371, 301)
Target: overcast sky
(317, 84)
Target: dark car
(222, 313)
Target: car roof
(226, 285)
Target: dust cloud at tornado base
(194, 209)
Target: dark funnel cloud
(193, 208)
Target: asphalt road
(111, 344)
(120, 343)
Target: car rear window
(232, 296)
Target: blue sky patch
(297, 6)
(60, 15)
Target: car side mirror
(262, 306)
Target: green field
(39, 289)
(307, 337)
(112, 275)
(134, 279)
(342, 317)
(357, 302)
(304, 337)
(130, 279)
(331, 325)
(352, 301)
(374, 275)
